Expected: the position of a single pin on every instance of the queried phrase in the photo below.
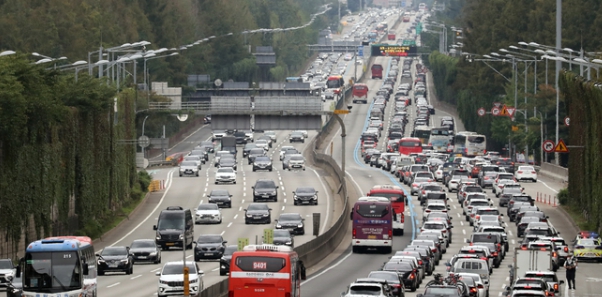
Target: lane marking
(236, 216)
(169, 183)
(547, 186)
(327, 269)
(222, 233)
(229, 224)
(115, 284)
(137, 276)
(156, 269)
(327, 201)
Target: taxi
(588, 249)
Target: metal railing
(275, 108)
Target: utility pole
(558, 65)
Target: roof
(59, 243)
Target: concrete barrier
(555, 172)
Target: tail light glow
(390, 233)
(555, 287)
(354, 233)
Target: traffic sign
(242, 242)
(511, 111)
(143, 141)
(268, 236)
(567, 121)
(481, 111)
(341, 111)
(561, 147)
(497, 104)
(360, 51)
(514, 128)
(548, 146)
(504, 112)
(495, 111)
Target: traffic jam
(479, 193)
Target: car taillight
(390, 233)
(472, 215)
(477, 217)
(520, 171)
(487, 177)
(354, 233)
(396, 285)
(428, 211)
(414, 185)
(484, 258)
(403, 217)
(556, 287)
(554, 254)
(423, 192)
(566, 249)
(419, 262)
(494, 254)
(412, 276)
(444, 231)
(533, 172)
(473, 290)
(480, 286)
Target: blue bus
(59, 266)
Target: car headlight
(163, 282)
(158, 236)
(300, 225)
(295, 197)
(125, 260)
(216, 215)
(181, 236)
(315, 197)
(248, 216)
(265, 215)
(192, 281)
(269, 164)
(289, 243)
(182, 169)
(278, 226)
(153, 254)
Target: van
(478, 266)
(377, 71)
(175, 228)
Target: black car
(406, 271)
(222, 198)
(258, 213)
(209, 246)
(296, 136)
(241, 137)
(247, 148)
(283, 237)
(305, 195)
(115, 259)
(145, 250)
(224, 261)
(292, 222)
(254, 153)
(227, 162)
(262, 163)
(265, 189)
(207, 119)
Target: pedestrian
(571, 268)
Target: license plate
(257, 218)
(219, 203)
(371, 236)
(142, 257)
(305, 202)
(113, 265)
(208, 254)
(266, 196)
(170, 243)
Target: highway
(189, 192)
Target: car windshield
(210, 239)
(143, 244)
(262, 159)
(265, 184)
(306, 191)
(114, 251)
(289, 217)
(257, 207)
(208, 206)
(365, 290)
(217, 193)
(484, 238)
(440, 291)
(436, 207)
(188, 163)
(282, 233)
(389, 277)
(5, 264)
(433, 226)
(175, 269)
(297, 158)
(546, 277)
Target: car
(145, 250)
(208, 213)
(209, 246)
(7, 271)
(296, 161)
(227, 162)
(265, 189)
(115, 259)
(189, 168)
(219, 155)
(224, 261)
(247, 148)
(258, 213)
(195, 158)
(360, 289)
(296, 136)
(442, 290)
(225, 175)
(201, 151)
(262, 143)
(525, 173)
(283, 237)
(286, 149)
(262, 163)
(218, 134)
(588, 249)
(221, 197)
(271, 134)
(293, 222)
(549, 277)
(254, 153)
(305, 195)
(393, 279)
(434, 206)
(407, 273)
(207, 119)
(171, 278)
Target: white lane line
(547, 186)
(327, 200)
(244, 194)
(459, 216)
(236, 216)
(512, 241)
(454, 206)
(284, 193)
(137, 276)
(461, 223)
(222, 233)
(229, 224)
(215, 269)
(284, 200)
(169, 183)
(205, 191)
(463, 231)
(500, 293)
(188, 256)
(243, 202)
(115, 284)
(283, 207)
(509, 232)
(327, 269)
(503, 286)
(156, 269)
(240, 208)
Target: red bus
(397, 197)
(360, 93)
(336, 83)
(265, 270)
(377, 71)
(372, 226)
(391, 35)
(408, 145)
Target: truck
(534, 259)
(229, 144)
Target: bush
(144, 179)
(563, 196)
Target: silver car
(189, 168)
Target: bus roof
(267, 247)
(423, 128)
(385, 188)
(410, 139)
(466, 133)
(373, 199)
(360, 85)
(59, 243)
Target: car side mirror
(562, 282)
(269, 209)
(252, 187)
(225, 241)
(276, 220)
(501, 215)
(294, 192)
(158, 273)
(155, 227)
(201, 272)
(98, 255)
(245, 209)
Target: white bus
(439, 139)
(423, 133)
(470, 144)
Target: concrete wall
(175, 94)
(555, 172)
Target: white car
(208, 213)
(285, 148)
(500, 184)
(189, 168)
(304, 132)
(439, 173)
(271, 134)
(434, 206)
(7, 271)
(194, 158)
(525, 172)
(172, 276)
(262, 143)
(359, 290)
(225, 175)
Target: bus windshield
(334, 82)
(260, 263)
(51, 272)
(372, 210)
